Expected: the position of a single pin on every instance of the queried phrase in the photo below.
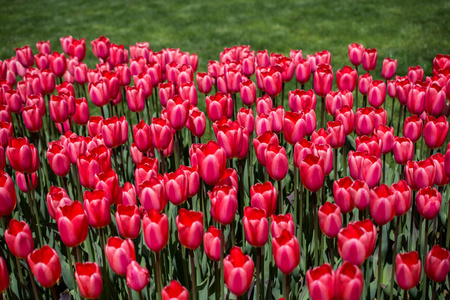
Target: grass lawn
(411, 31)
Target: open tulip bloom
(148, 173)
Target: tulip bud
(407, 269)
(137, 276)
(120, 253)
(212, 242)
(156, 230)
(256, 226)
(190, 228)
(238, 271)
(45, 265)
(19, 239)
(330, 219)
(437, 264)
(72, 224)
(321, 282)
(342, 194)
(175, 291)
(97, 208)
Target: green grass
(411, 31)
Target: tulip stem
(332, 253)
(384, 168)
(216, 275)
(335, 164)
(222, 247)
(280, 200)
(425, 246)
(258, 270)
(33, 201)
(316, 232)
(379, 262)
(193, 279)
(322, 114)
(158, 274)
(392, 112)
(123, 165)
(394, 251)
(434, 290)
(54, 293)
(20, 272)
(69, 258)
(282, 95)
(262, 272)
(364, 101)
(295, 195)
(33, 284)
(405, 294)
(411, 244)
(300, 219)
(105, 267)
(399, 119)
(286, 287)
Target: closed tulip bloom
(32, 118)
(135, 98)
(166, 91)
(108, 182)
(175, 291)
(161, 133)
(262, 58)
(25, 56)
(187, 91)
(277, 164)
(145, 170)
(386, 138)
(142, 136)
(389, 68)
(98, 93)
(428, 202)
(377, 93)
(349, 282)
(152, 194)
(383, 204)
(416, 99)
(246, 119)
(403, 150)
(197, 123)
(264, 105)
(364, 82)
(342, 195)
(412, 128)
(277, 116)
(97, 208)
(193, 179)
(256, 226)
(58, 63)
(248, 92)
(346, 79)
(441, 178)
(58, 159)
(43, 47)
(300, 99)
(211, 161)
(369, 59)
(156, 230)
(415, 74)
(80, 73)
(286, 252)
(100, 47)
(81, 115)
(22, 156)
(435, 99)
(176, 186)
(370, 145)
(365, 121)
(190, 228)
(312, 172)
(437, 264)
(325, 153)
(72, 224)
(114, 131)
(128, 220)
(217, 106)
(45, 265)
(303, 71)
(323, 80)
(407, 269)
(137, 276)
(337, 100)
(337, 134)
(420, 174)
(280, 223)
(355, 53)
(402, 192)
(238, 271)
(310, 117)
(435, 131)
(272, 81)
(22, 181)
(263, 123)
(56, 197)
(224, 203)
(204, 82)
(321, 282)
(356, 242)
(294, 127)
(120, 253)
(230, 138)
(211, 243)
(403, 86)
(347, 117)
(19, 239)
(330, 219)
(264, 197)
(89, 279)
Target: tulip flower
(349, 282)
(137, 276)
(281, 223)
(176, 187)
(263, 123)
(435, 99)
(369, 59)
(109, 182)
(383, 204)
(286, 252)
(346, 79)
(89, 279)
(402, 192)
(407, 270)
(217, 105)
(346, 116)
(301, 99)
(337, 134)
(4, 276)
(229, 137)
(211, 243)
(377, 93)
(437, 264)
(175, 291)
(22, 181)
(238, 271)
(435, 131)
(276, 161)
(248, 92)
(204, 82)
(197, 123)
(365, 121)
(156, 230)
(177, 110)
(272, 81)
(355, 53)
(32, 118)
(8, 198)
(428, 202)
(256, 226)
(321, 282)
(312, 172)
(441, 178)
(211, 162)
(403, 150)
(224, 203)
(420, 174)
(412, 128)
(323, 80)
(264, 197)
(97, 207)
(330, 219)
(416, 99)
(72, 224)
(45, 265)
(303, 71)
(22, 156)
(161, 133)
(120, 253)
(342, 194)
(128, 220)
(59, 159)
(415, 74)
(193, 179)
(190, 228)
(389, 68)
(152, 194)
(337, 100)
(365, 167)
(19, 239)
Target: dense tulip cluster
(143, 149)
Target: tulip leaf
(387, 271)
(373, 289)
(67, 274)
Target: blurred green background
(411, 31)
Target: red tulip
(281, 223)
(364, 82)
(246, 119)
(80, 73)
(217, 105)
(238, 271)
(435, 131)
(428, 202)
(300, 99)
(369, 59)
(25, 56)
(89, 279)
(420, 174)
(264, 197)
(337, 100)
(342, 194)
(365, 121)
(365, 167)
(142, 136)
(407, 269)
(370, 145)
(412, 128)
(72, 224)
(403, 150)
(177, 110)
(376, 94)
(190, 228)
(204, 83)
(383, 204)
(22, 181)
(346, 79)
(262, 58)
(58, 159)
(152, 194)
(337, 134)
(323, 80)
(8, 198)
(108, 182)
(175, 291)
(229, 137)
(197, 123)
(135, 98)
(256, 226)
(161, 133)
(211, 243)
(128, 220)
(303, 71)
(19, 239)
(416, 99)
(347, 117)
(312, 172)
(43, 47)
(349, 282)
(402, 192)
(156, 230)
(277, 164)
(176, 187)
(321, 282)
(120, 253)
(97, 207)
(58, 63)
(386, 138)
(166, 92)
(81, 115)
(32, 118)
(56, 197)
(224, 203)
(137, 276)
(211, 161)
(437, 264)
(114, 131)
(286, 252)
(22, 156)
(355, 53)
(441, 178)
(435, 99)
(263, 123)
(330, 219)
(264, 105)
(272, 81)
(415, 74)
(248, 92)
(389, 68)
(45, 265)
